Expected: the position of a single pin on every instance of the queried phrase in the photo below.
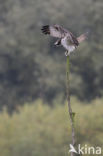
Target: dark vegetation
(33, 74)
(32, 67)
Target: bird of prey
(65, 37)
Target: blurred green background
(33, 111)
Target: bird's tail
(82, 37)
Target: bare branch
(71, 114)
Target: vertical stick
(71, 114)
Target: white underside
(68, 47)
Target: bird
(65, 37)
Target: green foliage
(39, 129)
(31, 67)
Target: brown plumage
(66, 38)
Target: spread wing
(59, 32)
(52, 31)
(82, 37)
(72, 39)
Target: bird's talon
(66, 53)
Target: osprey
(65, 37)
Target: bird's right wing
(52, 31)
(82, 37)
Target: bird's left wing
(72, 39)
(54, 31)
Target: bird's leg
(58, 42)
(67, 53)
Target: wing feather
(82, 37)
(59, 32)
(72, 39)
(52, 31)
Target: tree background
(32, 68)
